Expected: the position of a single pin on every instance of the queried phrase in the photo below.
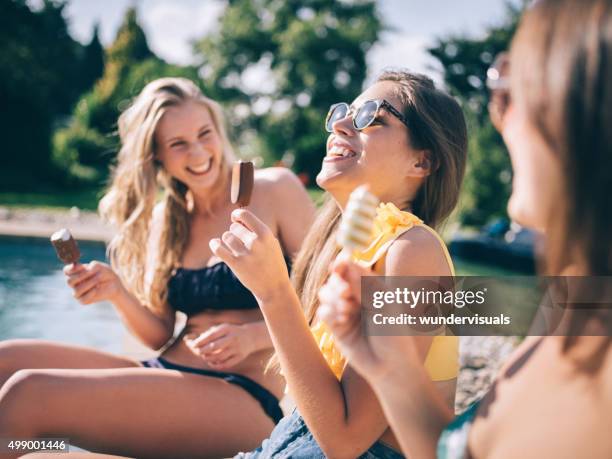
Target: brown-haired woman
(407, 141)
(553, 398)
(207, 394)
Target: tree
(465, 62)
(39, 63)
(306, 54)
(88, 144)
(92, 65)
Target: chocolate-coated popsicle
(242, 183)
(66, 247)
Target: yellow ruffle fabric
(442, 362)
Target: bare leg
(22, 354)
(135, 412)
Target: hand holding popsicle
(253, 253)
(340, 304)
(340, 297)
(91, 282)
(250, 247)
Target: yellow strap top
(442, 361)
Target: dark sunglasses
(363, 116)
(498, 82)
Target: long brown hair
(437, 124)
(136, 181)
(561, 75)
(561, 62)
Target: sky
(172, 25)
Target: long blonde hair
(137, 179)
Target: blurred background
(70, 67)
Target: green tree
(311, 53)
(40, 64)
(92, 65)
(465, 62)
(88, 144)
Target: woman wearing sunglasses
(553, 397)
(407, 141)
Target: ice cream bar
(242, 183)
(357, 223)
(66, 247)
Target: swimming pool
(35, 301)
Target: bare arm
(95, 281)
(151, 329)
(294, 214)
(393, 365)
(344, 417)
(414, 408)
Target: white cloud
(258, 77)
(172, 27)
(397, 49)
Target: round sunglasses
(363, 116)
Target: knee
(20, 402)
(10, 352)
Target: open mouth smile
(200, 169)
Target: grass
(86, 199)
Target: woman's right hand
(93, 282)
(374, 357)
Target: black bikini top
(213, 287)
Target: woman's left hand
(252, 252)
(223, 346)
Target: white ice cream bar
(358, 219)
(61, 235)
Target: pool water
(36, 302)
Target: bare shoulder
(277, 178)
(157, 218)
(280, 194)
(417, 252)
(280, 185)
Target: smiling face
(379, 155)
(189, 146)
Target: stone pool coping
(41, 223)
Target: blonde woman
(407, 140)
(207, 394)
(553, 398)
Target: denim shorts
(292, 439)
